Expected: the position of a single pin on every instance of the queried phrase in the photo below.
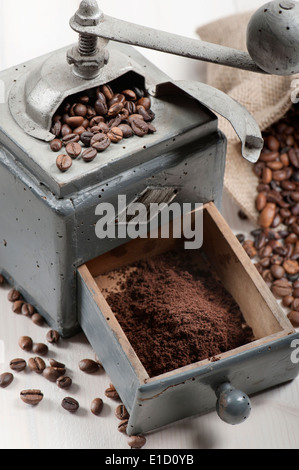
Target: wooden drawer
(193, 389)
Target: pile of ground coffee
(175, 315)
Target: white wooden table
(274, 421)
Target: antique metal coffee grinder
(47, 218)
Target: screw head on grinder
(90, 56)
(273, 37)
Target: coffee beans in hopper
(97, 119)
(275, 245)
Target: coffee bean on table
(53, 373)
(38, 319)
(126, 130)
(122, 427)
(6, 379)
(54, 363)
(13, 295)
(64, 163)
(53, 336)
(28, 310)
(136, 442)
(37, 364)
(64, 382)
(86, 138)
(281, 288)
(17, 306)
(25, 343)
(97, 406)
(73, 149)
(121, 412)
(31, 397)
(89, 366)
(18, 365)
(111, 393)
(40, 348)
(70, 404)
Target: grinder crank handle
(233, 406)
(241, 120)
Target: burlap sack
(267, 98)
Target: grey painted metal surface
(48, 220)
(273, 39)
(194, 393)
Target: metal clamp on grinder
(47, 217)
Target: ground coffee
(174, 314)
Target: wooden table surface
(274, 421)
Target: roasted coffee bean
(295, 305)
(97, 406)
(287, 300)
(17, 306)
(70, 138)
(100, 106)
(115, 109)
(56, 129)
(145, 102)
(291, 266)
(89, 154)
(281, 288)
(126, 130)
(102, 127)
(121, 412)
(136, 442)
(64, 163)
(80, 109)
(31, 397)
(130, 95)
(293, 316)
(107, 91)
(56, 145)
(240, 237)
(64, 382)
(73, 149)
(277, 271)
(38, 319)
(65, 130)
(86, 138)
(100, 142)
(267, 215)
(123, 425)
(75, 121)
(89, 366)
(115, 135)
(80, 130)
(6, 379)
(13, 295)
(40, 348)
(54, 363)
(18, 365)
(140, 128)
(112, 393)
(27, 310)
(37, 364)
(53, 373)
(25, 343)
(261, 201)
(53, 336)
(70, 404)
(96, 121)
(248, 246)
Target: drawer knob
(233, 406)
